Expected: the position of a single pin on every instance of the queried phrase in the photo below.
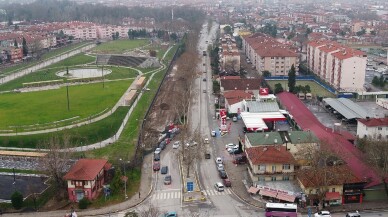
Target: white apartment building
(230, 57)
(374, 128)
(340, 66)
(267, 54)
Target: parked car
(204, 91)
(164, 170)
(206, 141)
(156, 157)
(169, 214)
(227, 182)
(204, 79)
(222, 174)
(322, 214)
(219, 160)
(157, 150)
(234, 151)
(219, 186)
(176, 144)
(353, 214)
(234, 119)
(240, 159)
(167, 180)
(220, 167)
(156, 166)
(162, 145)
(213, 133)
(230, 145)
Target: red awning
(267, 193)
(332, 196)
(253, 190)
(285, 197)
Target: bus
(281, 210)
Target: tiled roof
(374, 122)
(335, 175)
(235, 96)
(270, 154)
(307, 121)
(266, 46)
(241, 84)
(267, 138)
(85, 169)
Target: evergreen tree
(25, 47)
(292, 79)
(15, 43)
(17, 200)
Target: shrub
(17, 200)
(83, 203)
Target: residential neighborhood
(194, 108)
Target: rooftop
(271, 154)
(267, 138)
(374, 122)
(241, 84)
(257, 106)
(85, 169)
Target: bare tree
(376, 154)
(150, 211)
(56, 163)
(35, 48)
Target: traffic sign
(190, 186)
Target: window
(272, 58)
(333, 190)
(262, 167)
(379, 128)
(317, 191)
(286, 178)
(86, 193)
(72, 182)
(261, 178)
(273, 178)
(286, 166)
(273, 168)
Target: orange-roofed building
(86, 178)
(340, 66)
(270, 163)
(234, 100)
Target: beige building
(230, 57)
(340, 66)
(267, 54)
(270, 163)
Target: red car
(227, 183)
(156, 166)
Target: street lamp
(125, 180)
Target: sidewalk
(146, 187)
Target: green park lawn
(316, 89)
(48, 73)
(45, 56)
(119, 46)
(44, 107)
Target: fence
(139, 140)
(305, 78)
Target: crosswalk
(213, 192)
(165, 195)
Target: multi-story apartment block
(267, 54)
(230, 57)
(340, 66)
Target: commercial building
(340, 66)
(267, 54)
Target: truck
(204, 53)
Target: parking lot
(26, 185)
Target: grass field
(47, 106)
(47, 73)
(44, 57)
(87, 134)
(316, 89)
(119, 46)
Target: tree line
(54, 10)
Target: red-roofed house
(86, 178)
(270, 163)
(376, 128)
(234, 100)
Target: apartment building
(373, 128)
(340, 66)
(267, 54)
(230, 57)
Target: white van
(219, 186)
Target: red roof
(85, 169)
(374, 122)
(269, 154)
(235, 96)
(336, 142)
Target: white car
(230, 145)
(157, 151)
(219, 160)
(322, 214)
(220, 167)
(219, 186)
(213, 133)
(176, 145)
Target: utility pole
(67, 94)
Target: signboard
(263, 91)
(190, 186)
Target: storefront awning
(332, 196)
(285, 197)
(253, 190)
(268, 193)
